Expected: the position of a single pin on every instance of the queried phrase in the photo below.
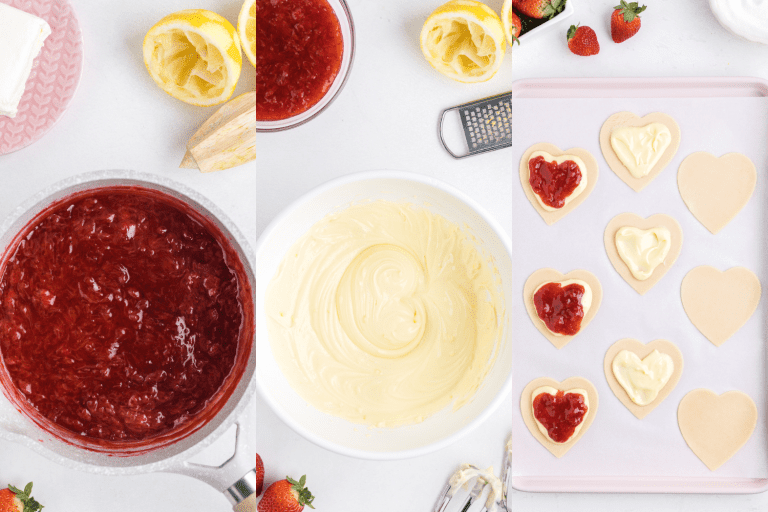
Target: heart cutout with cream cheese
(578, 384)
(716, 427)
(552, 153)
(716, 189)
(638, 149)
(548, 275)
(638, 376)
(720, 303)
(640, 229)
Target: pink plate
(54, 79)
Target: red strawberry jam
(122, 312)
(560, 307)
(299, 48)
(560, 414)
(553, 182)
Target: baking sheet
(620, 452)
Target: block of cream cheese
(21, 37)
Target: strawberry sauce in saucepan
(299, 49)
(124, 315)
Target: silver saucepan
(236, 477)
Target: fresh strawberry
(625, 21)
(286, 496)
(16, 500)
(259, 475)
(516, 27)
(583, 41)
(539, 8)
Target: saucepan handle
(236, 477)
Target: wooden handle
(247, 505)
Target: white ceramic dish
(340, 435)
(747, 19)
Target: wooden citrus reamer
(227, 139)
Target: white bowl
(340, 435)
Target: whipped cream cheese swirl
(384, 313)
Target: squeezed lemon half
(464, 39)
(246, 29)
(506, 19)
(194, 56)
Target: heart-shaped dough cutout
(548, 275)
(642, 352)
(720, 303)
(716, 427)
(716, 189)
(550, 217)
(558, 449)
(629, 119)
(635, 221)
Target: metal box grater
(487, 124)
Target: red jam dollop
(299, 48)
(560, 414)
(121, 312)
(553, 182)
(559, 307)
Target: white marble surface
(119, 119)
(386, 119)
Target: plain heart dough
(630, 219)
(720, 303)
(558, 449)
(642, 351)
(716, 189)
(548, 275)
(592, 174)
(628, 119)
(716, 427)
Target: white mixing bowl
(340, 435)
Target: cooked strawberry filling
(560, 308)
(559, 414)
(553, 182)
(120, 313)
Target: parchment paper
(618, 444)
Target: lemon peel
(246, 29)
(464, 40)
(195, 56)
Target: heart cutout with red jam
(558, 310)
(554, 414)
(563, 185)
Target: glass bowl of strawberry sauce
(126, 315)
(304, 54)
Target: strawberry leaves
(552, 7)
(25, 497)
(305, 497)
(629, 11)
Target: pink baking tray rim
(649, 87)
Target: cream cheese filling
(586, 299)
(385, 313)
(640, 147)
(552, 391)
(560, 159)
(642, 250)
(642, 380)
